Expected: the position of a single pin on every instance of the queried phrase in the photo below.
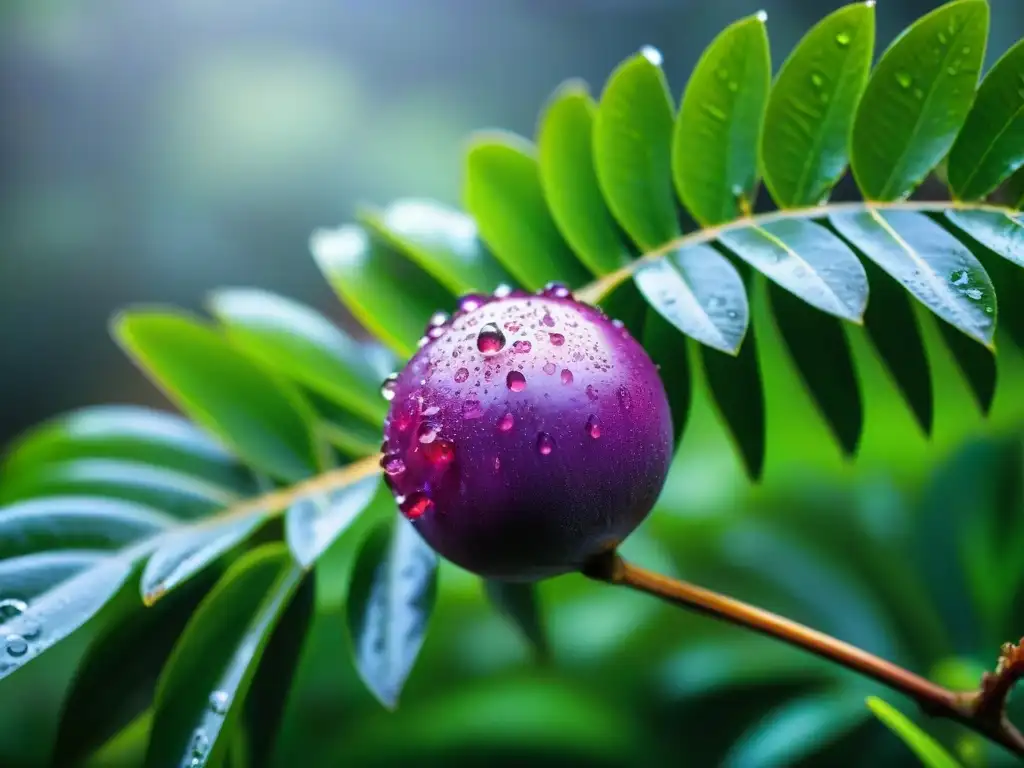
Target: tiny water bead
(387, 387)
(556, 339)
(437, 320)
(490, 340)
(566, 376)
(512, 326)
(545, 444)
(548, 320)
(472, 409)
(416, 505)
(591, 392)
(440, 452)
(515, 381)
(15, 645)
(200, 744)
(11, 607)
(427, 432)
(522, 347)
(593, 427)
(392, 465)
(625, 399)
(461, 375)
(470, 302)
(549, 368)
(556, 290)
(506, 422)
(219, 701)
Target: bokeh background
(153, 151)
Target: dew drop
(959, 277)
(11, 607)
(618, 324)
(733, 86)
(556, 290)
(723, 74)
(427, 433)
(502, 291)
(869, 3)
(548, 320)
(472, 409)
(219, 702)
(437, 319)
(566, 376)
(16, 645)
(591, 392)
(943, 38)
(593, 427)
(904, 79)
(522, 347)
(843, 39)
(440, 452)
(761, 16)
(515, 381)
(470, 301)
(388, 387)
(422, 342)
(393, 464)
(625, 399)
(490, 341)
(431, 410)
(506, 422)
(512, 327)
(715, 112)
(556, 339)
(416, 505)
(973, 293)
(497, 463)
(545, 443)
(436, 333)
(817, 80)
(200, 744)
(652, 54)
(549, 368)
(30, 630)
(461, 375)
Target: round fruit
(528, 434)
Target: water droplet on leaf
(16, 645)
(219, 702)
(843, 39)
(11, 607)
(904, 79)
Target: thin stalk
(982, 711)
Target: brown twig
(983, 711)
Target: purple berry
(510, 471)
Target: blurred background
(154, 151)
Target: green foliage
(280, 395)
(930, 752)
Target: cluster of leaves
(101, 497)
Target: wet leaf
(668, 350)
(313, 524)
(632, 150)
(804, 144)
(976, 363)
(716, 141)
(917, 99)
(999, 232)
(28, 576)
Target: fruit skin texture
(520, 484)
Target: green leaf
(313, 524)
(895, 332)
(204, 685)
(795, 730)
(351, 435)
(253, 410)
(442, 241)
(61, 610)
(668, 350)
(933, 265)
(821, 352)
(700, 292)
(807, 260)
(302, 345)
(186, 552)
(716, 140)
(633, 150)
(569, 178)
(976, 363)
(502, 191)
(129, 432)
(28, 576)
(738, 393)
(990, 146)
(75, 522)
(164, 489)
(519, 603)
(373, 279)
(114, 683)
(810, 111)
(999, 232)
(391, 596)
(917, 99)
(928, 751)
(1014, 189)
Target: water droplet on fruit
(566, 376)
(490, 341)
(422, 342)
(461, 375)
(388, 386)
(843, 39)
(219, 702)
(502, 291)
(549, 368)
(393, 464)
(515, 381)
(593, 427)
(625, 399)
(471, 409)
(431, 410)
(10, 607)
(436, 333)
(556, 290)
(440, 452)
(497, 463)
(427, 432)
(548, 320)
(591, 392)
(16, 645)
(512, 327)
(470, 301)
(416, 505)
(545, 443)
(522, 347)
(506, 422)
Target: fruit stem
(933, 699)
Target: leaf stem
(972, 709)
